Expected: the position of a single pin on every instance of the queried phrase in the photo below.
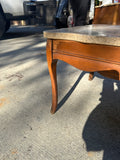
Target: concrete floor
(87, 123)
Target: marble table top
(95, 34)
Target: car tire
(2, 23)
(7, 26)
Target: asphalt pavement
(87, 123)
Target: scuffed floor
(87, 124)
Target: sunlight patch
(115, 86)
(41, 44)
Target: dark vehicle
(16, 10)
(62, 14)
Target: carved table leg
(52, 71)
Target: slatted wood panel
(109, 14)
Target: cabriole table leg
(52, 71)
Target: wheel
(7, 25)
(2, 24)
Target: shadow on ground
(102, 129)
(65, 98)
(23, 31)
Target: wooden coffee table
(92, 48)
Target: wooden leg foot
(91, 76)
(52, 111)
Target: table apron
(89, 57)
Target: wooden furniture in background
(107, 14)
